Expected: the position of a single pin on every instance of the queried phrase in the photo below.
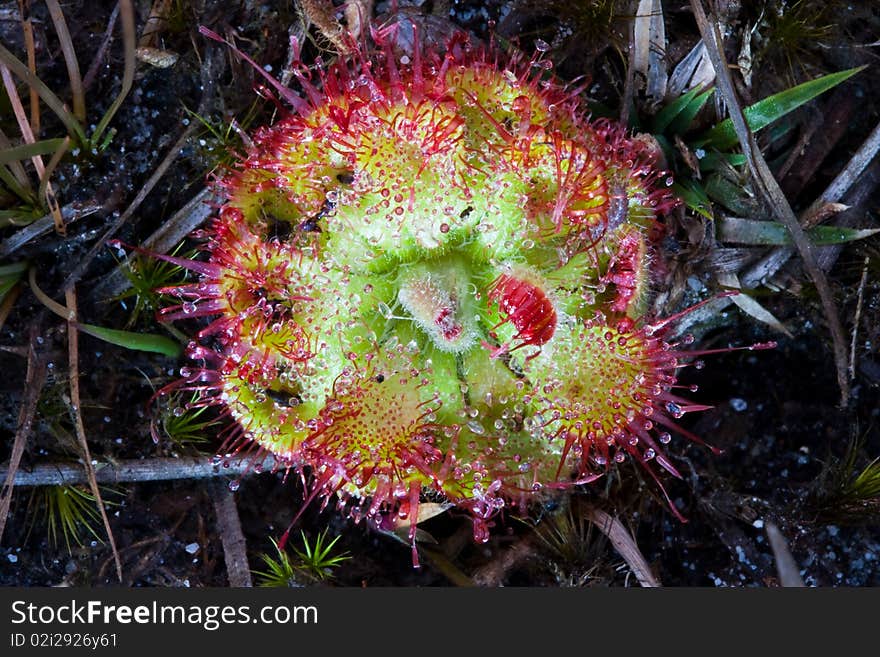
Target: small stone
(739, 405)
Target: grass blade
(150, 342)
(27, 151)
(126, 14)
(694, 196)
(54, 102)
(664, 117)
(683, 121)
(768, 110)
(69, 53)
(771, 233)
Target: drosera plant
(433, 275)
(314, 563)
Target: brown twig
(769, 189)
(625, 545)
(92, 73)
(229, 527)
(857, 319)
(34, 380)
(27, 29)
(75, 404)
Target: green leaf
(665, 116)
(768, 110)
(27, 151)
(16, 187)
(729, 194)
(151, 342)
(13, 269)
(713, 161)
(158, 344)
(683, 121)
(694, 196)
(771, 233)
(9, 276)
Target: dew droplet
(476, 428)
(674, 410)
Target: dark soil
(788, 448)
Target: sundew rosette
(432, 276)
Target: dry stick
(841, 185)
(92, 73)
(138, 470)
(854, 168)
(29, 138)
(234, 545)
(73, 371)
(786, 566)
(858, 317)
(769, 189)
(34, 380)
(630, 82)
(625, 545)
(70, 61)
(494, 572)
(78, 271)
(27, 29)
(44, 224)
(167, 236)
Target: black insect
(283, 398)
(311, 224)
(278, 229)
